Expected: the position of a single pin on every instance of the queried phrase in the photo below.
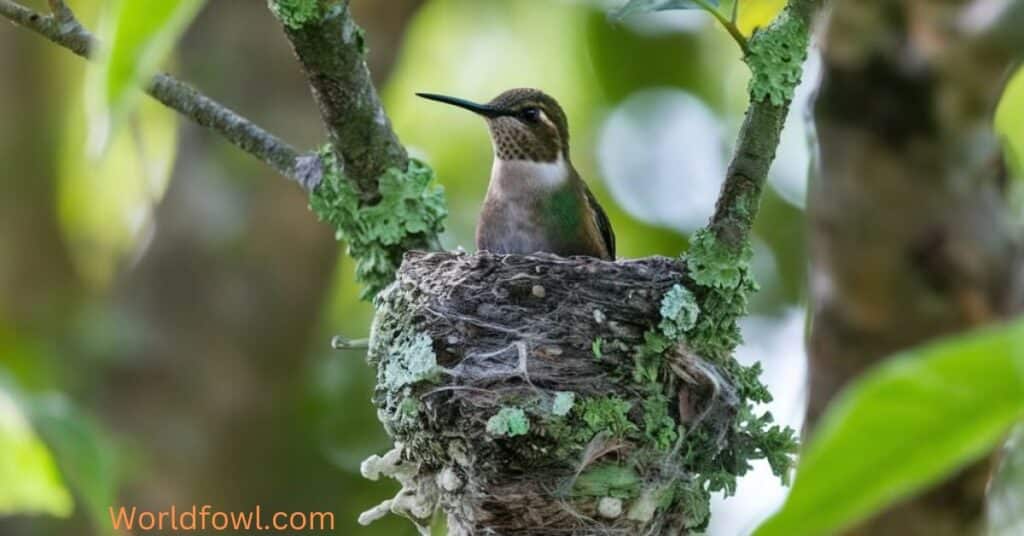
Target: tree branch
(61, 11)
(63, 28)
(331, 49)
(758, 138)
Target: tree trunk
(911, 235)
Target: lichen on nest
(539, 394)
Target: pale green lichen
(411, 208)
(509, 422)
(563, 403)
(295, 13)
(724, 272)
(724, 282)
(409, 408)
(679, 311)
(595, 348)
(413, 361)
(405, 357)
(776, 59)
(714, 265)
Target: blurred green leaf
(905, 425)
(29, 480)
(84, 452)
(106, 205)
(1009, 120)
(646, 6)
(139, 36)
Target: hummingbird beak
(481, 109)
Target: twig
(64, 29)
(340, 342)
(61, 11)
(747, 172)
(729, 23)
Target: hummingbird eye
(530, 114)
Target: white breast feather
(539, 174)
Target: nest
(524, 397)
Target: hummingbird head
(526, 124)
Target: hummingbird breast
(537, 207)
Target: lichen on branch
(295, 13)
(776, 59)
(408, 215)
(722, 272)
(724, 281)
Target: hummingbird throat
(530, 174)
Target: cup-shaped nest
(547, 395)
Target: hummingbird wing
(603, 224)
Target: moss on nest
(512, 425)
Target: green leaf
(106, 205)
(138, 37)
(905, 425)
(29, 480)
(86, 456)
(647, 6)
(1008, 118)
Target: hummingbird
(536, 201)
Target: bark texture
(911, 235)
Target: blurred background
(166, 311)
